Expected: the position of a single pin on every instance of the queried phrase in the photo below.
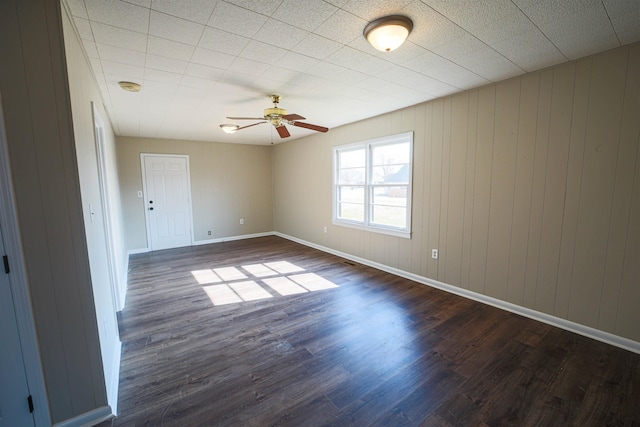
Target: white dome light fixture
(130, 86)
(389, 32)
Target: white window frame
(367, 224)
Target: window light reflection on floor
(283, 267)
(285, 286)
(313, 282)
(229, 273)
(229, 285)
(204, 277)
(250, 290)
(221, 294)
(260, 270)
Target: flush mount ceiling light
(229, 128)
(130, 86)
(389, 32)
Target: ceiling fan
(278, 117)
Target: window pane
(351, 158)
(353, 176)
(390, 196)
(391, 153)
(390, 174)
(351, 194)
(390, 216)
(351, 211)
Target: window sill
(372, 229)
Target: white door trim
(105, 198)
(20, 289)
(143, 156)
(112, 381)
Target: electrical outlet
(324, 229)
(209, 232)
(434, 253)
(241, 221)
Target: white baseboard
(228, 239)
(88, 419)
(137, 251)
(209, 241)
(114, 381)
(565, 324)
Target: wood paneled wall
(530, 189)
(35, 96)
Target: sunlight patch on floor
(259, 270)
(285, 286)
(283, 267)
(313, 282)
(230, 285)
(250, 290)
(221, 294)
(204, 277)
(229, 273)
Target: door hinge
(6, 264)
(30, 401)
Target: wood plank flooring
(375, 350)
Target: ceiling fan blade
(246, 118)
(248, 126)
(282, 131)
(310, 126)
(293, 117)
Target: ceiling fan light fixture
(229, 128)
(389, 32)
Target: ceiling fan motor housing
(274, 115)
(274, 112)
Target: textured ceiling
(199, 61)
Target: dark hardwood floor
(375, 350)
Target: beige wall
(35, 95)
(530, 189)
(228, 182)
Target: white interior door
(14, 391)
(167, 201)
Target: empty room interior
(322, 212)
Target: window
(372, 185)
